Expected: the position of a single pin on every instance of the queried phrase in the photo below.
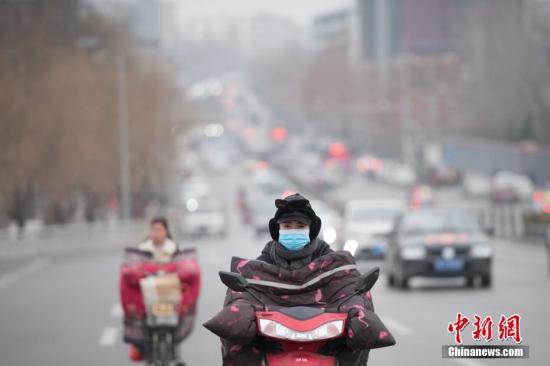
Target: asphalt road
(64, 310)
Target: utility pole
(407, 141)
(125, 195)
(382, 23)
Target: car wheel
(486, 280)
(391, 280)
(470, 281)
(403, 282)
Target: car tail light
(274, 329)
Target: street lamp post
(91, 43)
(382, 25)
(125, 195)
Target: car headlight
(412, 253)
(481, 251)
(351, 246)
(192, 204)
(329, 235)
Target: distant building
(265, 34)
(249, 37)
(332, 30)
(62, 19)
(145, 22)
(153, 23)
(395, 27)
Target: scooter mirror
(234, 281)
(367, 280)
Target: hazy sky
(301, 10)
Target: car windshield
(437, 222)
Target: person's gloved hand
(236, 322)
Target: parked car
(508, 187)
(204, 217)
(366, 225)
(476, 185)
(438, 243)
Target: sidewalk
(72, 238)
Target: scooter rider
(162, 248)
(159, 242)
(295, 246)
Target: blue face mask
(294, 239)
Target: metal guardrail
(77, 235)
(506, 221)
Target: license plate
(448, 265)
(377, 249)
(163, 309)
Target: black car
(438, 243)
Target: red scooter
(301, 332)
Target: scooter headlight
(274, 329)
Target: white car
(193, 188)
(476, 185)
(398, 174)
(511, 187)
(203, 218)
(367, 224)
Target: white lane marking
(467, 362)
(108, 337)
(116, 310)
(396, 326)
(23, 271)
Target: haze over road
(63, 310)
